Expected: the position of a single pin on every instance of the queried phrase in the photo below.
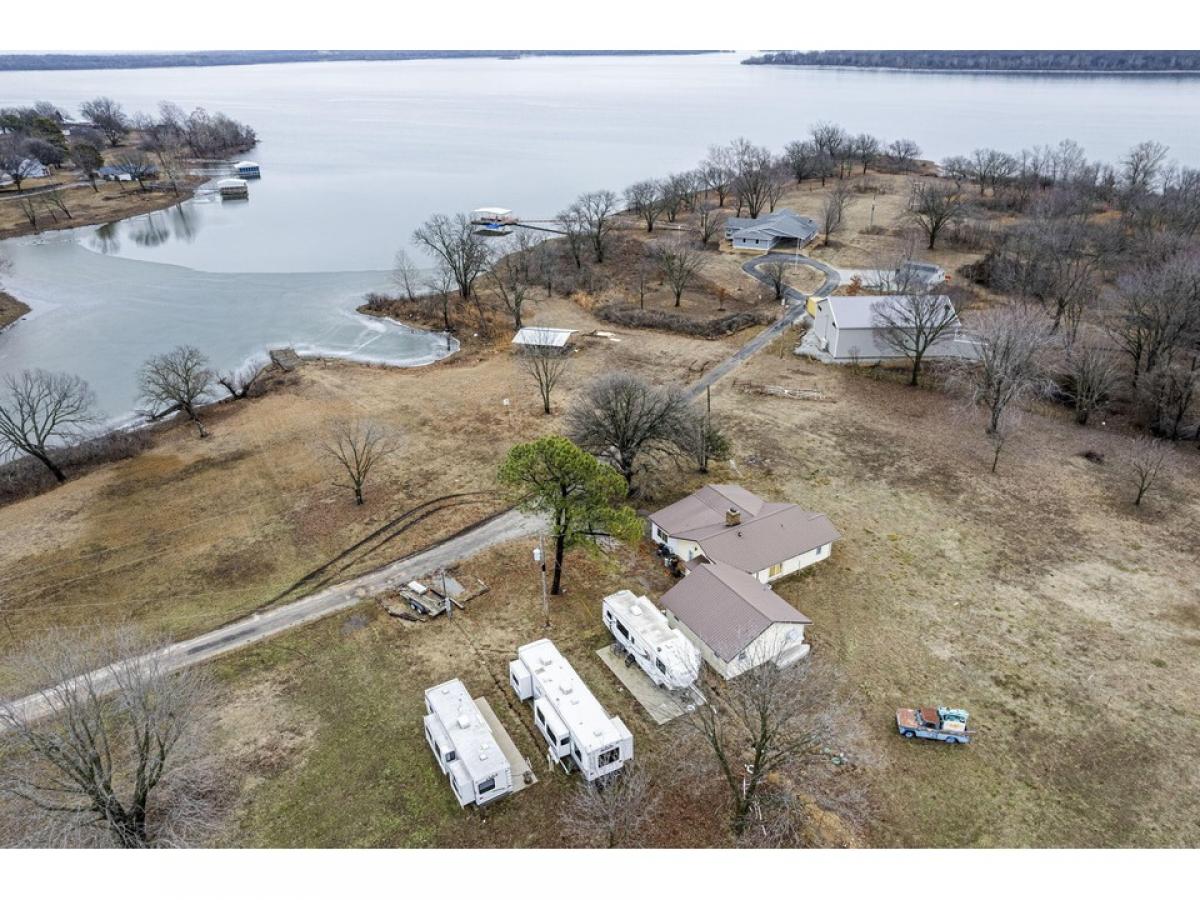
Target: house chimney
(732, 517)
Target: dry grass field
(1064, 618)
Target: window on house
(486, 785)
(775, 570)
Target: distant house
(735, 620)
(846, 329)
(27, 168)
(728, 524)
(546, 338)
(120, 173)
(764, 232)
(464, 745)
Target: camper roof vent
(565, 688)
(635, 609)
(464, 722)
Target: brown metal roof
(727, 608)
(769, 533)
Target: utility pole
(539, 557)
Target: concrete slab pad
(515, 760)
(660, 704)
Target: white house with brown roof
(725, 523)
(735, 619)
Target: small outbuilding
(465, 748)
(735, 620)
(247, 169)
(544, 338)
(765, 232)
(728, 524)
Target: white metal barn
(578, 731)
(662, 652)
(464, 745)
(846, 329)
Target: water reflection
(178, 223)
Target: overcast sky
(142, 25)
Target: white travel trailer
(465, 748)
(579, 733)
(662, 652)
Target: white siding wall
(762, 649)
(795, 564)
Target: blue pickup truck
(938, 723)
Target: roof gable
(726, 608)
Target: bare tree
(680, 262)
(14, 161)
(933, 206)
(573, 227)
(1010, 422)
(40, 409)
(612, 810)
(866, 149)
(180, 380)
(441, 282)
(716, 172)
(1009, 367)
(627, 422)
(108, 116)
(1091, 379)
(545, 365)
(357, 446)
(645, 200)
(106, 749)
(56, 199)
(1142, 461)
(704, 439)
(916, 322)
(991, 167)
(753, 171)
(407, 276)
(513, 277)
(135, 164)
(833, 210)
(597, 211)
(776, 273)
(709, 221)
(29, 209)
(802, 159)
(760, 722)
(454, 243)
(902, 153)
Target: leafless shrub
(240, 383)
(1142, 462)
(680, 263)
(833, 210)
(1091, 377)
(26, 477)
(611, 811)
(633, 317)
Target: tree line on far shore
(1114, 61)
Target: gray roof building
(733, 526)
(726, 608)
(766, 231)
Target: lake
(356, 155)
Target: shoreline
(138, 203)
(12, 310)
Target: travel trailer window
(661, 667)
(487, 785)
(451, 756)
(541, 717)
(621, 628)
(565, 738)
(608, 757)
